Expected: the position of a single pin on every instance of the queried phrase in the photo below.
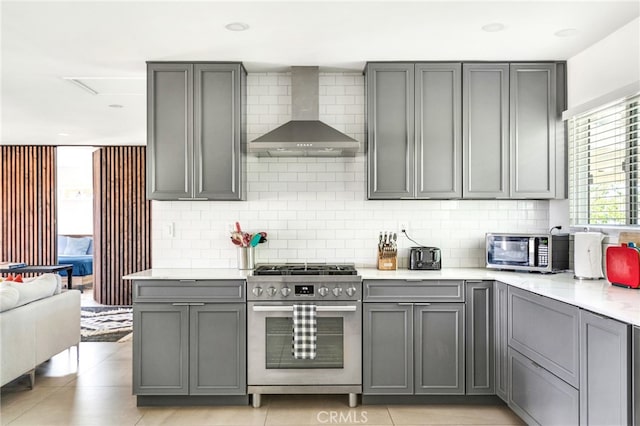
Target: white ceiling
(105, 44)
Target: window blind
(604, 165)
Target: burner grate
(305, 269)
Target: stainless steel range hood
(305, 134)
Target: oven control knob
(271, 291)
(351, 291)
(257, 291)
(337, 291)
(285, 291)
(323, 291)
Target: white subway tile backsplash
(315, 209)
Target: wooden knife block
(387, 262)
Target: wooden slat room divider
(122, 221)
(28, 204)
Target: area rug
(105, 323)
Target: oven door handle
(319, 308)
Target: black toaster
(425, 258)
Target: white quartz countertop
(189, 274)
(598, 296)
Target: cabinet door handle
(196, 304)
(422, 304)
(180, 304)
(405, 304)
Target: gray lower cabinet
(189, 350)
(479, 347)
(413, 349)
(189, 338)
(604, 371)
(413, 129)
(195, 131)
(501, 340)
(413, 337)
(439, 348)
(387, 355)
(546, 331)
(636, 376)
(538, 396)
(544, 359)
(160, 349)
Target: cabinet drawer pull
(196, 304)
(405, 304)
(422, 304)
(188, 281)
(180, 304)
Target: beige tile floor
(97, 391)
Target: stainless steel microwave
(528, 252)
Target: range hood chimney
(305, 135)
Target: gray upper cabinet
(532, 123)
(169, 131)
(391, 142)
(604, 371)
(485, 129)
(438, 139)
(472, 130)
(196, 131)
(413, 122)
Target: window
(604, 163)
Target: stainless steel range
(274, 366)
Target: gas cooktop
(305, 269)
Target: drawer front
(189, 291)
(413, 291)
(547, 332)
(538, 396)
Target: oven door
(270, 359)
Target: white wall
(607, 65)
(316, 209)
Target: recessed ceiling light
(237, 26)
(116, 106)
(566, 32)
(494, 27)
(63, 134)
